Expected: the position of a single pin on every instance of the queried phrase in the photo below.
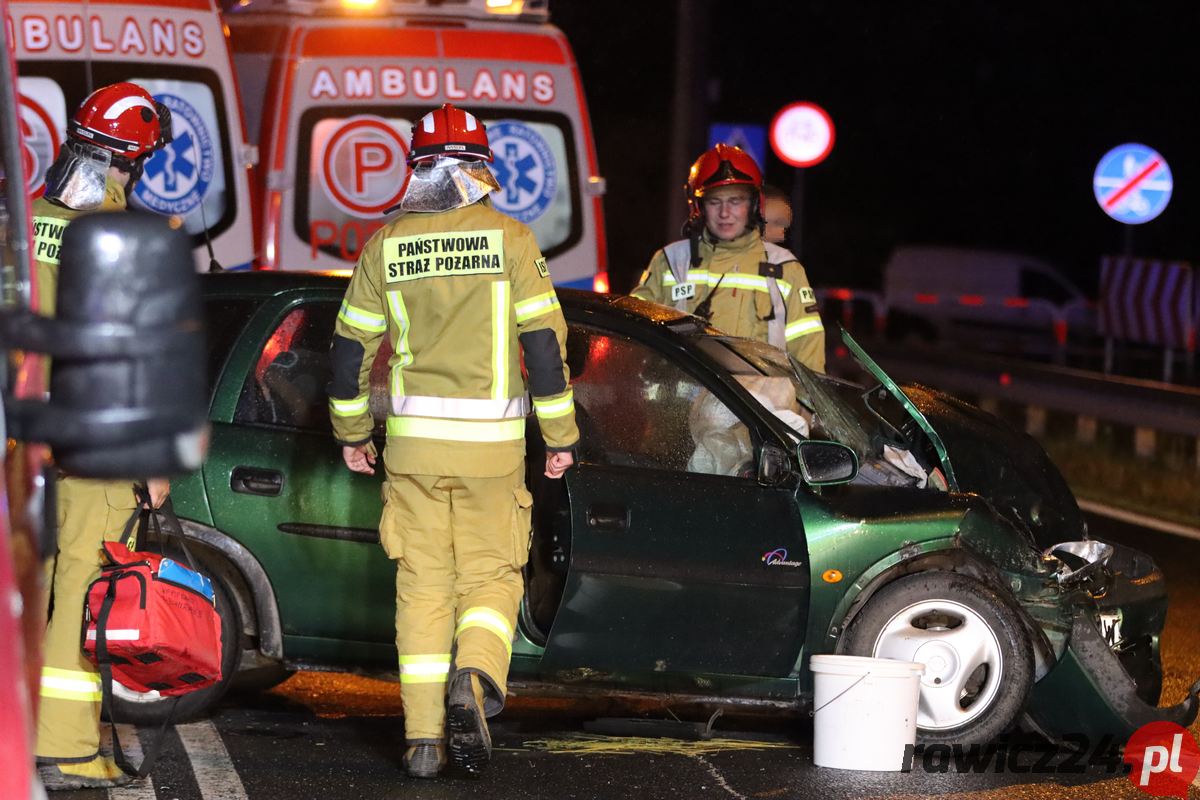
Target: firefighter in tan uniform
(725, 272)
(109, 139)
(462, 292)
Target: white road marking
(214, 771)
(142, 789)
(1133, 518)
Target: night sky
(969, 123)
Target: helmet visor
(443, 184)
(77, 177)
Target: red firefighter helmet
(449, 131)
(122, 118)
(723, 165)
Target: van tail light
(600, 283)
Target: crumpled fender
(1088, 692)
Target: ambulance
(178, 51)
(332, 87)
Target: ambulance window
(192, 177)
(351, 166)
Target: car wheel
(977, 655)
(151, 708)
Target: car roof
(576, 302)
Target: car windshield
(830, 408)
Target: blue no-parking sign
(751, 138)
(1132, 184)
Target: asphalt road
(323, 735)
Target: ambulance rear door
(349, 119)
(178, 51)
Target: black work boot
(424, 759)
(470, 740)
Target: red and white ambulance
(178, 51)
(332, 87)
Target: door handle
(608, 517)
(253, 480)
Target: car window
(637, 408)
(286, 387)
(224, 319)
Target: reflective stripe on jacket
(781, 311)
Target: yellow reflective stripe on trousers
(433, 668)
(536, 306)
(802, 327)
(506, 430)
(500, 302)
(403, 355)
(362, 319)
(69, 684)
(349, 408)
(559, 407)
(481, 617)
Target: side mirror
(127, 385)
(825, 463)
(773, 465)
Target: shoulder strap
(777, 325)
(679, 257)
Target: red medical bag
(155, 621)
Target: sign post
(802, 136)
(1133, 185)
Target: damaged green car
(730, 514)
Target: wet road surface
(326, 735)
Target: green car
(731, 514)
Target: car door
(277, 484)
(679, 561)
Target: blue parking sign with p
(751, 138)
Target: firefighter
(462, 293)
(724, 271)
(108, 141)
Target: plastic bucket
(865, 711)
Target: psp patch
(177, 177)
(542, 269)
(524, 167)
(807, 295)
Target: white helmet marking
(428, 124)
(471, 124)
(125, 103)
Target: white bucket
(865, 711)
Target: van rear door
(338, 142)
(176, 50)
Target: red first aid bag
(154, 621)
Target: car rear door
(680, 561)
(276, 483)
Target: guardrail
(1150, 408)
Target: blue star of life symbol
(175, 161)
(513, 171)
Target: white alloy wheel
(961, 653)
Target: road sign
(1148, 301)
(802, 134)
(751, 138)
(1132, 184)
(364, 166)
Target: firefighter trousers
(459, 545)
(90, 512)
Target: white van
(178, 51)
(332, 87)
(941, 292)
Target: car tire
(151, 708)
(978, 657)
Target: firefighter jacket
(49, 222)
(460, 295)
(754, 289)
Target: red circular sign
(39, 143)
(802, 134)
(364, 166)
(1163, 759)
